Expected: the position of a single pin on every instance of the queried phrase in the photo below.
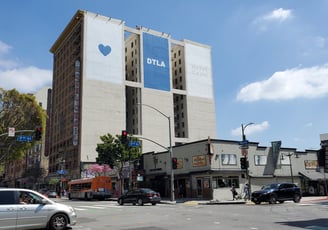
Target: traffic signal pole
(244, 148)
(18, 131)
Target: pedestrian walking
(246, 191)
(233, 191)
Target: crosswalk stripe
(106, 206)
(95, 207)
(80, 209)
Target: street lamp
(170, 148)
(290, 163)
(243, 127)
(244, 148)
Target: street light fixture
(290, 163)
(170, 148)
(243, 130)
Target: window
(228, 159)
(260, 160)
(284, 160)
(225, 182)
(7, 197)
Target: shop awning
(314, 175)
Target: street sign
(22, 138)
(244, 152)
(11, 132)
(244, 143)
(61, 172)
(134, 143)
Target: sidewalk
(192, 202)
(186, 201)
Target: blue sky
(269, 57)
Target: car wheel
(273, 199)
(120, 201)
(140, 202)
(153, 203)
(297, 198)
(281, 201)
(58, 222)
(257, 202)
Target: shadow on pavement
(308, 224)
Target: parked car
(28, 209)
(52, 194)
(277, 192)
(140, 196)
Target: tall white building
(108, 77)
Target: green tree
(22, 112)
(112, 152)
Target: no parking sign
(11, 132)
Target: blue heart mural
(105, 50)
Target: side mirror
(44, 201)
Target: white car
(28, 209)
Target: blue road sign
(61, 172)
(134, 144)
(244, 143)
(22, 138)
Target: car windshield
(146, 190)
(270, 186)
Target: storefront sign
(198, 161)
(311, 164)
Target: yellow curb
(191, 203)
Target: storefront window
(223, 182)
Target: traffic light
(243, 163)
(38, 133)
(124, 137)
(174, 163)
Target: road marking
(80, 209)
(92, 207)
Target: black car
(277, 192)
(140, 196)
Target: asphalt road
(100, 215)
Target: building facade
(210, 173)
(108, 77)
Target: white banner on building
(104, 48)
(198, 71)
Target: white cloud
(7, 64)
(4, 48)
(289, 84)
(25, 79)
(251, 129)
(278, 15)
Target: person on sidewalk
(246, 192)
(233, 191)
